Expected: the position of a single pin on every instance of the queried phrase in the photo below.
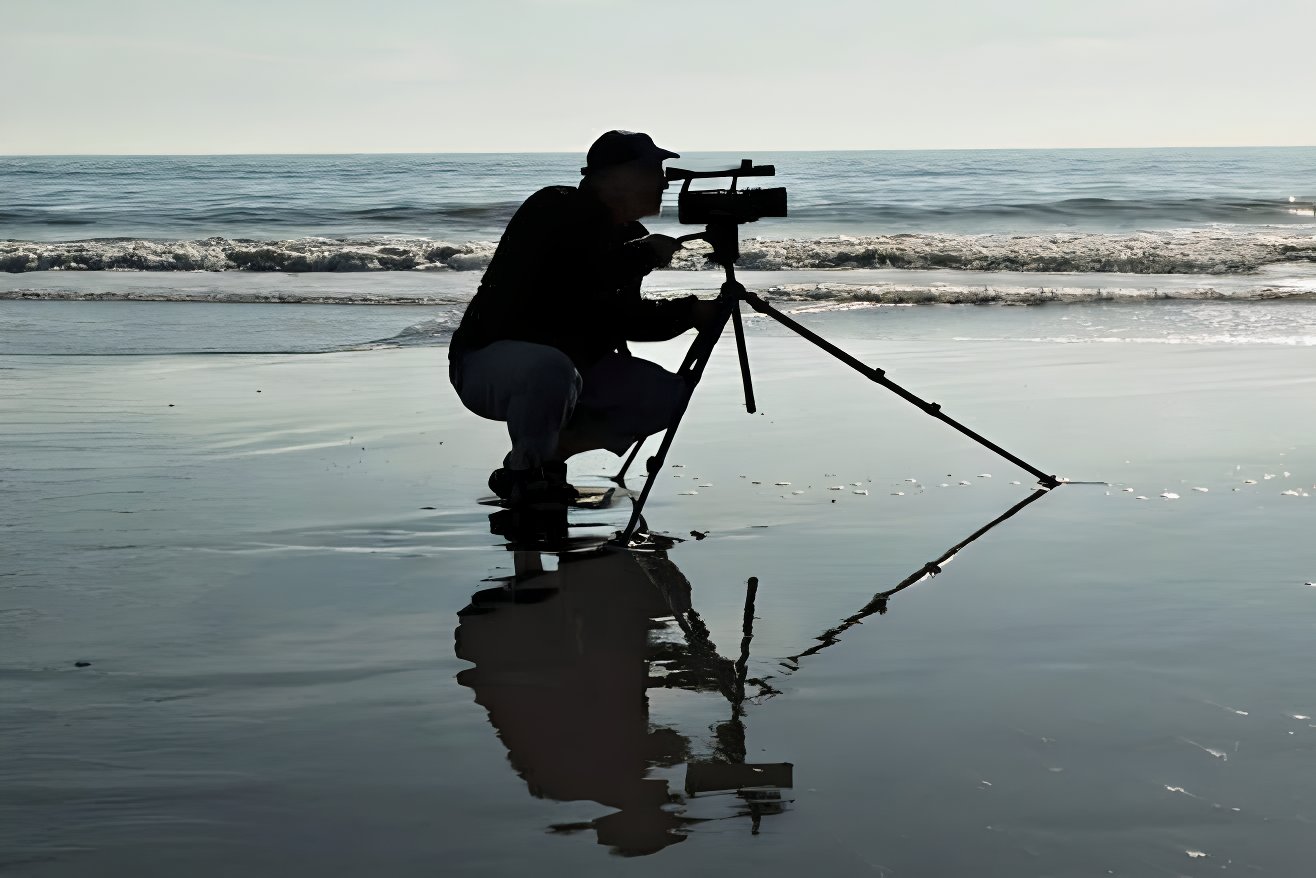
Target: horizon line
(701, 151)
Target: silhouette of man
(542, 345)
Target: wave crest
(801, 298)
(1184, 251)
(1187, 251)
(226, 297)
(223, 254)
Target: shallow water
(269, 608)
(116, 313)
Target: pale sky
(147, 76)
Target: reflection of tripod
(723, 236)
(758, 786)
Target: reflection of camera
(730, 205)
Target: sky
(285, 76)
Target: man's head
(625, 169)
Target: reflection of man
(542, 345)
(564, 682)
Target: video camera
(731, 205)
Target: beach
(268, 563)
(254, 618)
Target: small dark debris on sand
(81, 664)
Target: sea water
(413, 232)
(459, 197)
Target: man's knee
(510, 375)
(551, 374)
(649, 398)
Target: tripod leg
(744, 356)
(692, 369)
(620, 477)
(879, 376)
(686, 368)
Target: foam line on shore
(225, 297)
(1213, 251)
(795, 298)
(803, 298)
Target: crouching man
(542, 345)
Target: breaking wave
(1216, 250)
(1187, 251)
(224, 254)
(796, 298)
(219, 297)
(804, 298)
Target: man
(542, 345)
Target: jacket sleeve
(654, 319)
(641, 319)
(628, 262)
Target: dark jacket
(565, 275)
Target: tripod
(723, 235)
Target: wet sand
(302, 659)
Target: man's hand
(662, 247)
(707, 312)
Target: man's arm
(657, 319)
(660, 319)
(640, 254)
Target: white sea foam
(844, 296)
(226, 297)
(1211, 250)
(1215, 250)
(224, 254)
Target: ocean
(415, 231)
(469, 197)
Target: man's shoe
(502, 481)
(545, 485)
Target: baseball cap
(619, 147)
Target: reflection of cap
(619, 147)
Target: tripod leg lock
(932, 408)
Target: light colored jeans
(546, 402)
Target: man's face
(642, 183)
(654, 185)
